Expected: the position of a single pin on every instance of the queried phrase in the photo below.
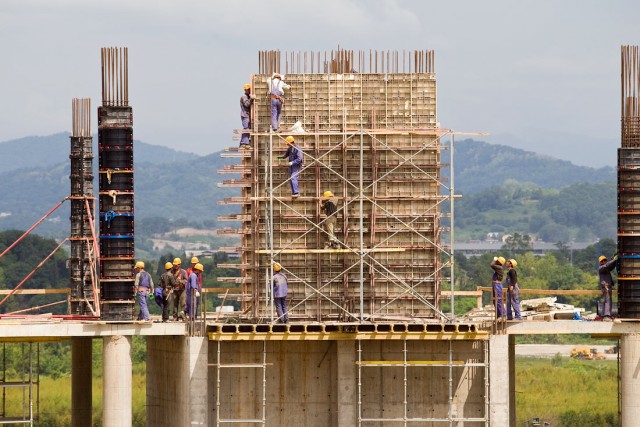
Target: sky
(539, 75)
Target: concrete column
(197, 385)
(347, 383)
(117, 376)
(81, 377)
(499, 411)
(630, 379)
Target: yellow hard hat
(195, 260)
(277, 267)
(168, 266)
(289, 139)
(513, 262)
(247, 86)
(139, 264)
(602, 258)
(328, 194)
(199, 267)
(501, 260)
(177, 261)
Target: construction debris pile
(535, 309)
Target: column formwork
(115, 146)
(629, 187)
(372, 139)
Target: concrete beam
(60, 329)
(630, 379)
(117, 376)
(81, 385)
(499, 394)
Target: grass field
(567, 392)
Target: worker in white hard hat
(246, 101)
(513, 291)
(143, 285)
(296, 157)
(280, 290)
(179, 297)
(276, 91)
(167, 283)
(497, 265)
(329, 208)
(193, 293)
(606, 286)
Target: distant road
(550, 350)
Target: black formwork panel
(117, 290)
(629, 298)
(122, 203)
(629, 224)
(628, 245)
(115, 136)
(116, 224)
(117, 248)
(116, 158)
(117, 310)
(116, 180)
(628, 157)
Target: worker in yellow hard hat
(194, 261)
(513, 291)
(179, 297)
(143, 284)
(166, 284)
(276, 91)
(280, 290)
(246, 101)
(296, 157)
(193, 291)
(328, 207)
(497, 265)
(606, 284)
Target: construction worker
(179, 297)
(276, 90)
(194, 261)
(246, 100)
(513, 291)
(606, 285)
(496, 283)
(329, 209)
(193, 293)
(295, 156)
(144, 288)
(280, 290)
(167, 283)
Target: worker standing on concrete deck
(167, 283)
(276, 90)
(606, 284)
(144, 287)
(193, 293)
(246, 100)
(513, 291)
(329, 209)
(280, 290)
(194, 261)
(179, 297)
(496, 283)
(295, 156)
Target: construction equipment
(587, 353)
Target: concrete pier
(117, 392)
(81, 382)
(499, 395)
(630, 379)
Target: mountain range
(178, 185)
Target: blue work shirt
(280, 285)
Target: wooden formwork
(372, 140)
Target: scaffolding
(372, 139)
(20, 382)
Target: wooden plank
(36, 291)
